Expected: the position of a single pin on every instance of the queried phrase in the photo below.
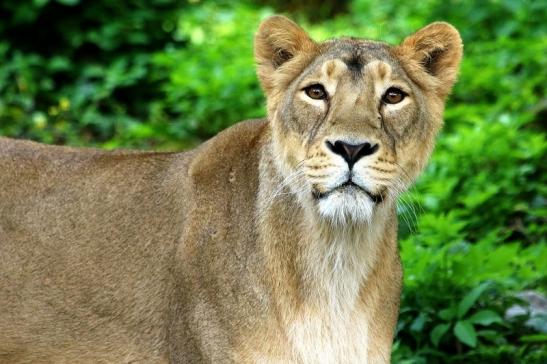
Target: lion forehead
(356, 62)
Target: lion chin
(347, 204)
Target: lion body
(248, 249)
(84, 281)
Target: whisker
(386, 161)
(380, 169)
(380, 178)
(318, 175)
(320, 166)
(285, 182)
(407, 205)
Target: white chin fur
(343, 207)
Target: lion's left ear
(436, 49)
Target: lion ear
(277, 41)
(436, 49)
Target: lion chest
(330, 337)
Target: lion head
(353, 121)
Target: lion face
(354, 121)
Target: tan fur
(244, 250)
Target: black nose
(352, 152)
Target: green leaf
(465, 332)
(68, 2)
(40, 3)
(493, 336)
(485, 317)
(418, 324)
(538, 338)
(470, 299)
(447, 314)
(438, 332)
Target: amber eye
(316, 92)
(393, 96)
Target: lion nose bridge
(352, 152)
(363, 117)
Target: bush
(81, 72)
(212, 82)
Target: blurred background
(166, 75)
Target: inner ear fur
(277, 41)
(435, 50)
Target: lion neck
(314, 263)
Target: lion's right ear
(435, 50)
(277, 41)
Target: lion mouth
(350, 185)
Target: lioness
(274, 242)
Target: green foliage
(79, 72)
(212, 82)
(167, 75)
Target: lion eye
(316, 92)
(393, 96)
